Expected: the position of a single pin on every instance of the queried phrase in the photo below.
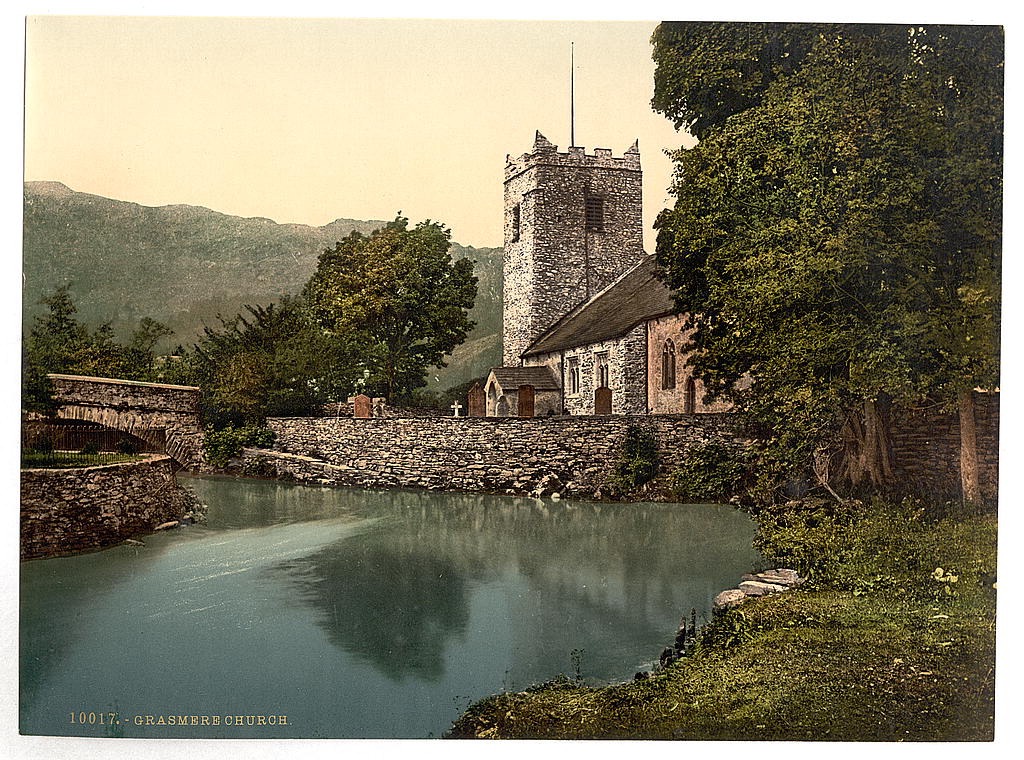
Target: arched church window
(668, 365)
(602, 370)
(574, 376)
(690, 396)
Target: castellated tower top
(573, 225)
(546, 152)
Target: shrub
(711, 472)
(223, 445)
(89, 448)
(127, 446)
(258, 467)
(638, 461)
(815, 542)
(869, 548)
(43, 445)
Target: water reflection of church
(588, 328)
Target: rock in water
(166, 525)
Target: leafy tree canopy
(398, 297)
(268, 361)
(836, 232)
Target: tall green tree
(268, 361)
(398, 296)
(836, 231)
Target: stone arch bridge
(136, 408)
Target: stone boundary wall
(516, 455)
(926, 448)
(493, 454)
(64, 511)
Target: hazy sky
(306, 120)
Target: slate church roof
(541, 378)
(637, 296)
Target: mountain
(183, 265)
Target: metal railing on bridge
(91, 439)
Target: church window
(595, 214)
(574, 376)
(668, 365)
(602, 370)
(515, 223)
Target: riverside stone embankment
(64, 511)
(570, 456)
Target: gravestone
(477, 401)
(603, 401)
(526, 396)
(362, 407)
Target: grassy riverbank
(68, 459)
(892, 638)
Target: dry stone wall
(64, 511)
(575, 453)
(926, 448)
(495, 455)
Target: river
(359, 613)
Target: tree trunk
(868, 458)
(970, 477)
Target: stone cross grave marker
(477, 401)
(362, 406)
(456, 407)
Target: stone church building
(588, 328)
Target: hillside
(183, 265)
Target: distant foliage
(638, 461)
(36, 388)
(59, 343)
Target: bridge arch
(136, 408)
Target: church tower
(573, 225)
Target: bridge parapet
(131, 405)
(134, 394)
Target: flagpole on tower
(572, 94)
